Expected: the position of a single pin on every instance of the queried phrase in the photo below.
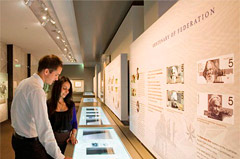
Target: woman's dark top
(64, 120)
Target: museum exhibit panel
(101, 143)
(94, 85)
(184, 82)
(100, 93)
(93, 116)
(116, 87)
(3, 97)
(77, 86)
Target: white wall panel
(171, 100)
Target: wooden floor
(132, 144)
(6, 151)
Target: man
(215, 107)
(33, 137)
(212, 73)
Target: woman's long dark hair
(55, 95)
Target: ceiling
(97, 23)
(88, 25)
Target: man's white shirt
(30, 117)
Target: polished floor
(132, 144)
(6, 151)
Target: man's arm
(46, 137)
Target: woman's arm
(74, 126)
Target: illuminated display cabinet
(101, 143)
(93, 116)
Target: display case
(88, 100)
(101, 143)
(88, 94)
(93, 116)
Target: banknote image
(216, 70)
(175, 74)
(175, 99)
(216, 106)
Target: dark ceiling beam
(134, 3)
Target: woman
(62, 113)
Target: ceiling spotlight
(44, 17)
(28, 2)
(45, 22)
(52, 21)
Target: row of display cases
(96, 135)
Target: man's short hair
(51, 62)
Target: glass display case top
(87, 100)
(93, 116)
(88, 94)
(101, 143)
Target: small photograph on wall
(216, 70)
(216, 106)
(77, 86)
(137, 106)
(175, 74)
(137, 73)
(133, 79)
(133, 92)
(3, 88)
(175, 99)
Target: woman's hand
(72, 139)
